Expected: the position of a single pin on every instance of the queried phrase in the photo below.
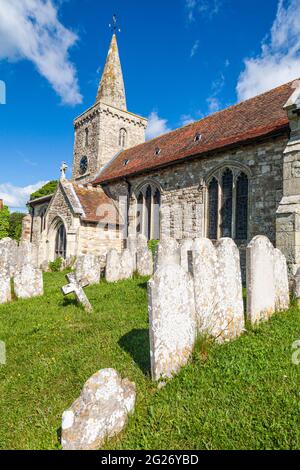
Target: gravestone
(260, 279)
(282, 294)
(88, 269)
(126, 265)
(230, 310)
(186, 247)
(206, 288)
(132, 247)
(100, 412)
(113, 266)
(9, 252)
(296, 287)
(28, 282)
(26, 255)
(167, 251)
(76, 287)
(141, 242)
(5, 287)
(145, 262)
(171, 319)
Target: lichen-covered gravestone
(230, 310)
(132, 247)
(88, 269)
(260, 279)
(144, 262)
(113, 265)
(9, 252)
(5, 287)
(126, 265)
(99, 413)
(26, 255)
(167, 251)
(28, 282)
(172, 320)
(282, 294)
(141, 242)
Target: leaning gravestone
(230, 311)
(186, 246)
(100, 412)
(172, 320)
(126, 265)
(88, 269)
(282, 294)
(76, 287)
(260, 279)
(144, 262)
(167, 251)
(113, 265)
(207, 293)
(28, 282)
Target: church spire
(111, 89)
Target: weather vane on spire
(114, 25)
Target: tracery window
(148, 212)
(43, 219)
(227, 210)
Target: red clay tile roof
(255, 118)
(97, 206)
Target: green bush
(4, 222)
(47, 189)
(56, 265)
(152, 244)
(15, 225)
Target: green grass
(242, 395)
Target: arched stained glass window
(226, 209)
(213, 196)
(61, 242)
(241, 223)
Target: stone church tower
(106, 128)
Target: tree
(4, 222)
(15, 225)
(47, 189)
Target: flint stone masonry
(28, 282)
(145, 262)
(230, 310)
(172, 320)
(282, 295)
(261, 296)
(100, 412)
(185, 247)
(88, 268)
(113, 265)
(126, 265)
(167, 251)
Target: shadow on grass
(143, 285)
(136, 343)
(69, 301)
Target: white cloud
(30, 29)
(16, 197)
(206, 8)
(156, 126)
(195, 48)
(214, 104)
(279, 61)
(186, 119)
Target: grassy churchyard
(241, 395)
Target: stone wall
(104, 123)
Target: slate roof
(248, 121)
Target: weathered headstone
(76, 287)
(282, 294)
(186, 246)
(27, 255)
(132, 247)
(167, 251)
(145, 262)
(113, 265)
(296, 287)
(260, 279)
(126, 265)
(100, 412)
(5, 287)
(142, 242)
(172, 320)
(230, 321)
(88, 269)
(207, 293)
(9, 253)
(28, 282)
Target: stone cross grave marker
(76, 287)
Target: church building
(235, 173)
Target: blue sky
(182, 59)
